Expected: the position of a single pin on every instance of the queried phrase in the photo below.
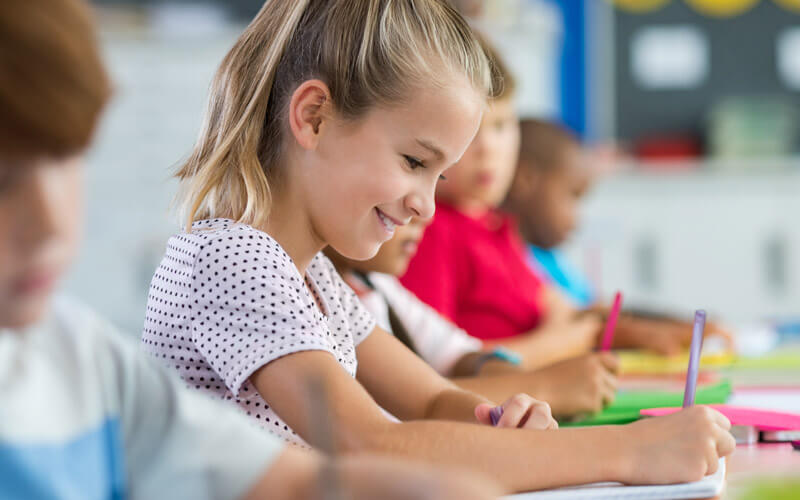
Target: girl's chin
(361, 252)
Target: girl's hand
(665, 337)
(521, 412)
(576, 386)
(682, 447)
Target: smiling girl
(330, 123)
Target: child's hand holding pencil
(682, 447)
(520, 411)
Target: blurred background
(689, 108)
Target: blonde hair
(368, 52)
(504, 85)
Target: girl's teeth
(388, 223)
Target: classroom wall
(161, 78)
(637, 226)
(742, 62)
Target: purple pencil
(495, 414)
(694, 358)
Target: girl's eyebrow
(432, 148)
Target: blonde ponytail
(368, 52)
(226, 156)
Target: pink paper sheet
(762, 419)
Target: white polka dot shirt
(227, 300)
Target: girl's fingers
(726, 443)
(540, 418)
(516, 412)
(520, 411)
(712, 461)
(608, 396)
(483, 414)
(610, 361)
(609, 389)
(611, 381)
(721, 420)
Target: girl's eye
(413, 163)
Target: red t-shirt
(474, 272)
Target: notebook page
(708, 487)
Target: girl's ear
(308, 111)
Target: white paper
(708, 487)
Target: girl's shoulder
(231, 237)
(216, 229)
(224, 247)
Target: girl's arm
(559, 309)
(291, 476)
(473, 365)
(662, 335)
(681, 447)
(573, 387)
(565, 333)
(554, 342)
(384, 365)
(302, 475)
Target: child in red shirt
(471, 264)
(470, 267)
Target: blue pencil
(694, 358)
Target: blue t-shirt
(555, 268)
(85, 416)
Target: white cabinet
(725, 241)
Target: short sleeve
(249, 306)
(360, 319)
(178, 443)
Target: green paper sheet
(628, 404)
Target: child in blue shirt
(549, 183)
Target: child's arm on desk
(677, 448)
(302, 475)
(554, 341)
(565, 333)
(585, 384)
(661, 334)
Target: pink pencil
(611, 323)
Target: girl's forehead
(436, 119)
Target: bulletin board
(742, 61)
